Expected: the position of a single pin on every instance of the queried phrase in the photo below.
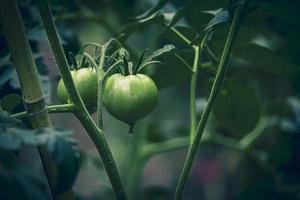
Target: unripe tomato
(86, 81)
(130, 97)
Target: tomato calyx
(73, 60)
(130, 69)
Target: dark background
(262, 87)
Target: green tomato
(130, 98)
(85, 80)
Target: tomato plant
(226, 74)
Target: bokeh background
(261, 93)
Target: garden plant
(211, 82)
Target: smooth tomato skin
(130, 98)
(86, 81)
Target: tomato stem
(100, 77)
(126, 66)
(131, 126)
(217, 85)
(81, 112)
(62, 108)
(196, 65)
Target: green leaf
(172, 71)
(58, 143)
(285, 112)
(5, 60)
(158, 18)
(19, 181)
(140, 24)
(153, 10)
(153, 62)
(180, 13)
(267, 60)
(10, 102)
(176, 17)
(159, 52)
(220, 16)
(68, 165)
(213, 12)
(7, 74)
(237, 108)
(270, 42)
(6, 121)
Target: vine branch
(164, 146)
(217, 85)
(180, 35)
(196, 65)
(64, 108)
(81, 112)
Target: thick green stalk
(33, 96)
(217, 85)
(101, 144)
(81, 112)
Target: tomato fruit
(86, 81)
(130, 97)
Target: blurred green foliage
(263, 81)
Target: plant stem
(184, 62)
(222, 140)
(136, 174)
(100, 75)
(64, 108)
(210, 54)
(249, 140)
(164, 146)
(217, 85)
(101, 144)
(136, 164)
(33, 96)
(193, 84)
(141, 154)
(91, 60)
(180, 35)
(81, 112)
